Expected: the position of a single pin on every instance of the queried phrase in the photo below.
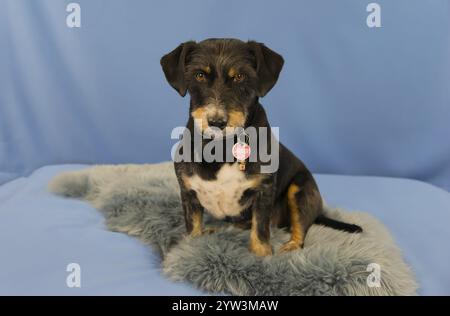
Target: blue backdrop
(351, 99)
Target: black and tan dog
(225, 79)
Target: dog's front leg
(260, 232)
(193, 214)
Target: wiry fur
(143, 201)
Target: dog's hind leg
(304, 202)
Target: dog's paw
(209, 230)
(289, 246)
(205, 231)
(261, 249)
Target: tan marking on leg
(258, 247)
(197, 221)
(236, 118)
(197, 229)
(297, 234)
(186, 181)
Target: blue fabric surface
(41, 233)
(350, 100)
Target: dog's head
(224, 78)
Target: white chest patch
(220, 197)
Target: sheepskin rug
(143, 201)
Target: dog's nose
(217, 122)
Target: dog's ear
(268, 66)
(173, 65)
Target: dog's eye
(200, 76)
(238, 78)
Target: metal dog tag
(241, 150)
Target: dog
(225, 79)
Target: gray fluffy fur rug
(143, 201)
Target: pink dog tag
(241, 151)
